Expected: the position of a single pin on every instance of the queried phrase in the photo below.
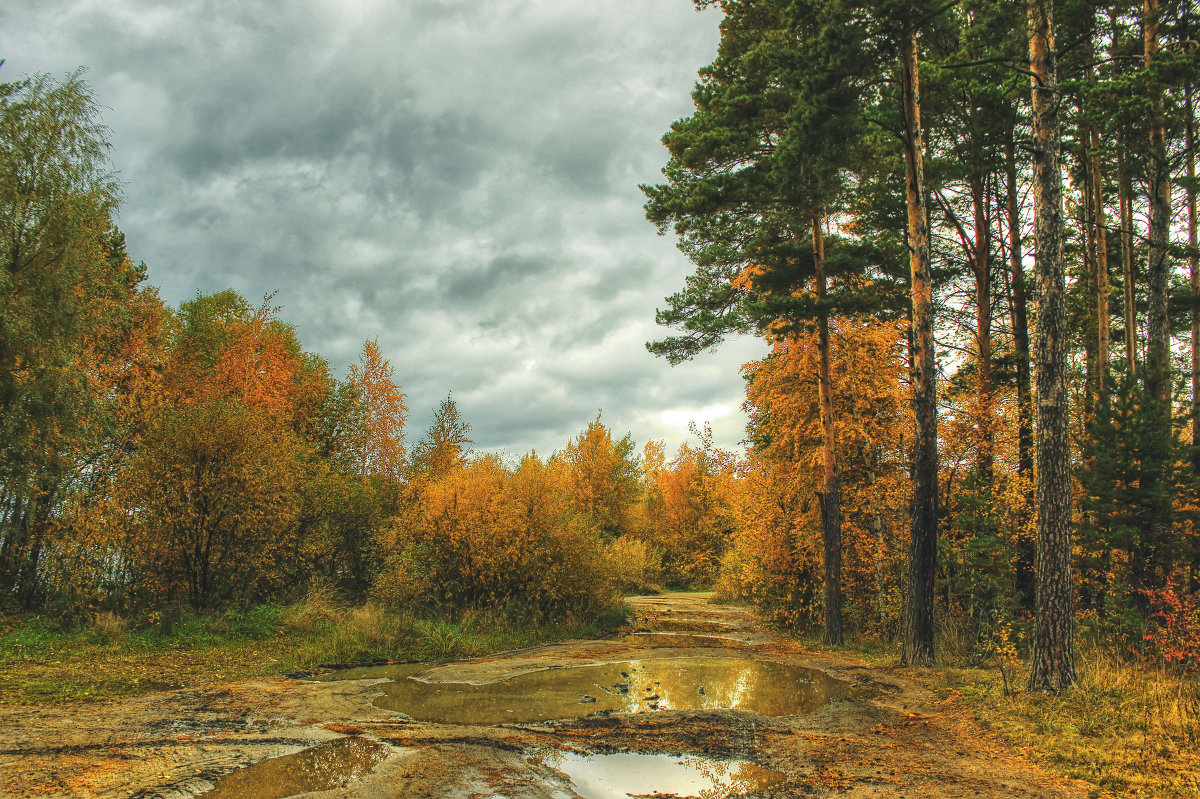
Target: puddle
(319, 768)
(685, 640)
(635, 686)
(623, 775)
(669, 624)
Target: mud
(870, 733)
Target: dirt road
(646, 713)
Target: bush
(1174, 634)
(481, 537)
(636, 567)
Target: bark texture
(1193, 271)
(831, 500)
(1053, 642)
(1026, 555)
(1158, 331)
(918, 624)
(1128, 276)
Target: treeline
(1009, 188)
(157, 458)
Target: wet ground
(692, 700)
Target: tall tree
(445, 445)
(918, 627)
(754, 174)
(384, 411)
(58, 286)
(1053, 643)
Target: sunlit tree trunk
(918, 626)
(1053, 642)
(831, 502)
(1152, 560)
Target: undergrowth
(1130, 728)
(40, 661)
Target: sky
(458, 178)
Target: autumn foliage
(776, 558)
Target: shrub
(1175, 632)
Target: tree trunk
(1156, 531)
(1053, 644)
(831, 502)
(1158, 331)
(1128, 276)
(1087, 228)
(918, 625)
(1102, 311)
(1194, 272)
(1026, 556)
(982, 267)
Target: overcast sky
(456, 177)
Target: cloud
(458, 179)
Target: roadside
(41, 664)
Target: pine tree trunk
(918, 625)
(1102, 310)
(831, 501)
(1128, 275)
(1053, 642)
(1086, 206)
(1194, 272)
(1026, 555)
(1158, 331)
(982, 267)
(1157, 522)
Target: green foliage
(213, 493)
(1128, 538)
(64, 279)
(446, 444)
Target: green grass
(40, 662)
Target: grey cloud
(458, 179)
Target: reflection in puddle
(685, 640)
(319, 768)
(681, 624)
(635, 686)
(623, 775)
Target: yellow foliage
(479, 536)
(777, 556)
(685, 513)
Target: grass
(41, 663)
(1129, 728)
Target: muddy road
(692, 700)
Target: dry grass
(1130, 729)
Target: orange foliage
(777, 555)
(686, 513)
(211, 505)
(383, 402)
(478, 536)
(602, 476)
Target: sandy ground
(885, 737)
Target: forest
(967, 232)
